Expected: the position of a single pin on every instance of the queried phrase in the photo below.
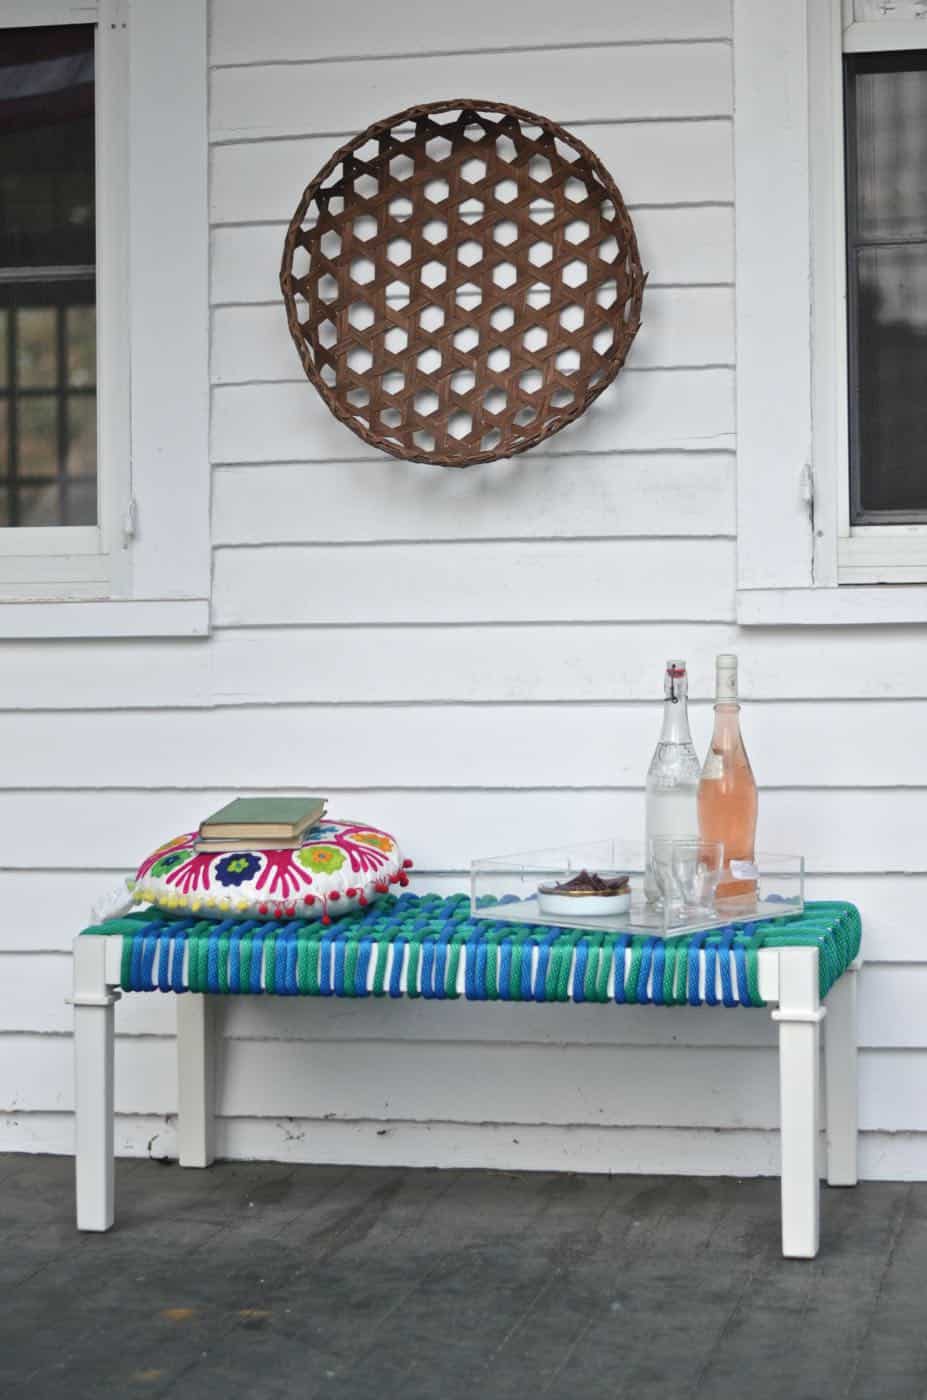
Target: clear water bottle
(673, 776)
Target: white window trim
(799, 561)
(146, 570)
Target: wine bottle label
(714, 765)
(744, 870)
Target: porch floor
(332, 1283)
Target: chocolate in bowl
(588, 883)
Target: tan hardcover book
(228, 845)
(262, 818)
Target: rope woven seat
(430, 946)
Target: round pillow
(338, 867)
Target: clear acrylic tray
(773, 888)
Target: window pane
(36, 348)
(39, 505)
(81, 323)
(46, 147)
(37, 431)
(82, 435)
(81, 502)
(890, 120)
(47, 277)
(892, 373)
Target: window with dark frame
(48, 455)
(886, 165)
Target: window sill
(847, 606)
(94, 617)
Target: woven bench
(431, 947)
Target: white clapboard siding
(536, 662)
(506, 746)
(662, 163)
(312, 31)
(550, 662)
(657, 1086)
(688, 327)
(43, 913)
(478, 582)
(481, 653)
(893, 1156)
(136, 1135)
(530, 1147)
(37, 1073)
(660, 410)
(853, 831)
(615, 494)
(891, 905)
(678, 247)
(573, 85)
(33, 992)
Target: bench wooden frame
(788, 981)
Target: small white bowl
(576, 906)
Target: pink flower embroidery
(281, 876)
(193, 875)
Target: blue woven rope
(621, 947)
(724, 948)
(659, 967)
(164, 952)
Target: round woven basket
(461, 281)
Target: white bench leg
(196, 1078)
(840, 1092)
(93, 1002)
(799, 1016)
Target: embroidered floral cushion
(339, 867)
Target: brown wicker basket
(461, 281)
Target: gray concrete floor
(332, 1283)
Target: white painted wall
(472, 659)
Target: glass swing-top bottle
(673, 775)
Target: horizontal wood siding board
(678, 246)
(506, 746)
(574, 86)
(657, 1085)
(648, 1151)
(663, 410)
(643, 1151)
(374, 665)
(475, 582)
(654, 163)
(617, 495)
(853, 832)
(687, 327)
(43, 912)
(287, 33)
(33, 989)
(533, 1147)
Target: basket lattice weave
(461, 281)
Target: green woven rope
(445, 926)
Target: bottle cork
(726, 677)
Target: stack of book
(265, 823)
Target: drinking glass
(687, 872)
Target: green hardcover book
(282, 817)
